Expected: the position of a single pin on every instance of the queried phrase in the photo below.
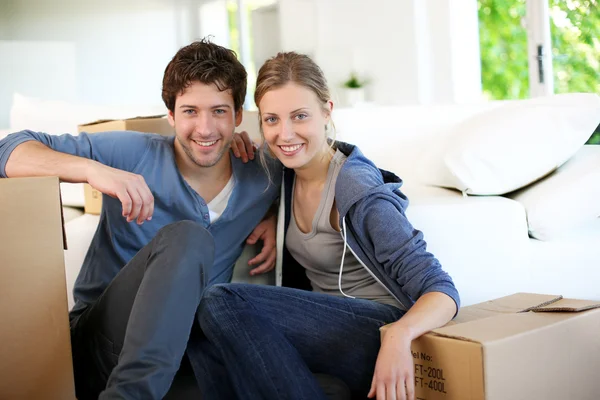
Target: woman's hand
(242, 146)
(394, 377)
(266, 231)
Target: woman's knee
(216, 295)
(219, 299)
(216, 305)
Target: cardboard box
(524, 346)
(35, 349)
(151, 124)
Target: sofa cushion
(566, 199)
(480, 241)
(506, 148)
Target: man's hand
(242, 146)
(265, 231)
(130, 189)
(394, 377)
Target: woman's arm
(402, 252)
(430, 311)
(380, 226)
(394, 376)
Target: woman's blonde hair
(291, 67)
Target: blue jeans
(130, 343)
(265, 342)
(135, 341)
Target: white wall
(214, 21)
(351, 38)
(413, 51)
(265, 33)
(298, 21)
(122, 47)
(448, 43)
(3, 18)
(40, 69)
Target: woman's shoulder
(360, 178)
(357, 168)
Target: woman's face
(293, 123)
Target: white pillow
(58, 117)
(503, 149)
(566, 199)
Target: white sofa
(482, 242)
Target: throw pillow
(566, 199)
(508, 147)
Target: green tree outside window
(575, 31)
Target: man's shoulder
(129, 137)
(128, 150)
(260, 169)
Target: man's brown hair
(205, 62)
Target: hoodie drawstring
(343, 256)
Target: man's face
(204, 120)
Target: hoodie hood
(360, 178)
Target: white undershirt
(219, 203)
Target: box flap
(500, 327)
(515, 303)
(547, 356)
(147, 117)
(101, 121)
(568, 305)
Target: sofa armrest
(480, 241)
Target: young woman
(347, 236)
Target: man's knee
(186, 231)
(187, 240)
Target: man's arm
(36, 159)
(28, 154)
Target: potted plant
(354, 90)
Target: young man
(176, 214)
